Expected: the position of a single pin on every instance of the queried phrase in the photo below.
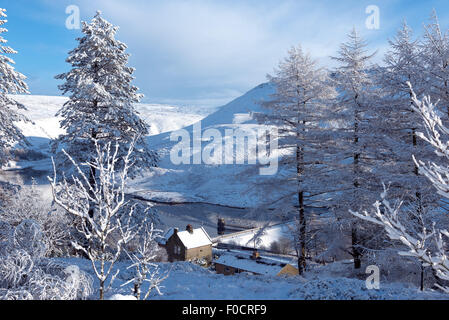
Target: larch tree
(399, 121)
(298, 109)
(100, 109)
(11, 82)
(435, 58)
(353, 81)
(427, 243)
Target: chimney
(255, 255)
(189, 228)
(175, 230)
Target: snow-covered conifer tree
(427, 243)
(299, 110)
(399, 122)
(435, 58)
(101, 98)
(11, 82)
(355, 99)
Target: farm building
(188, 245)
(230, 263)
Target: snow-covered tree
(299, 111)
(418, 239)
(101, 97)
(398, 122)
(107, 229)
(11, 82)
(146, 271)
(356, 133)
(425, 242)
(435, 58)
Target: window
(177, 249)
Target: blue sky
(202, 52)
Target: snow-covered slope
(42, 109)
(161, 118)
(217, 184)
(224, 184)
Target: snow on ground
(187, 281)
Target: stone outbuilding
(230, 263)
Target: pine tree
(101, 99)
(11, 82)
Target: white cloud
(183, 49)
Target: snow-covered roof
(163, 240)
(197, 238)
(243, 261)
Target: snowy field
(187, 281)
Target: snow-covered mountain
(218, 184)
(225, 184)
(42, 109)
(161, 118)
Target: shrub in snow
(27, 203)
(25, 274)
(146, 271)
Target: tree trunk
(355, 250)
(101, 289)
(422, 278)
(92, 175)
(302, 221)
(302, 233)
(356, 254)
(137, 290)
(92, 172)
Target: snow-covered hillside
(161, 118)
(225, 184)
(217, 184)
(42, 109)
